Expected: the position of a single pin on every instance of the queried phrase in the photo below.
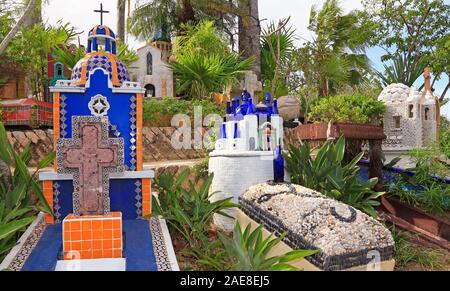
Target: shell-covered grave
(345, 236)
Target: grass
(411, 256)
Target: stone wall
(156, 143)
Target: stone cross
(91, 155)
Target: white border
(15, 250)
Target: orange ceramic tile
(117, 244)
(75, 225)
(72, 255)
(107, 224)
(75, 246)
(117, 254)
(97, 224)
(97, 254)
(97, 234)
(49, 219)
(75, 236)
(117, 224)
(117, 233)
(145, 182)
(139, 124)
(107, 244)
(86, 245)
(86, 255)
(86, 235)
(93, 233)
(107, 233)
(107, 253)
(56, 122)
(97, 245)
(86, 225)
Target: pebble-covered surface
(343, 234)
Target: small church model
(98, 191)
(151, 69)
(411, 120)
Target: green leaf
(14, 226)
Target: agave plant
(397, 72)
(248, 251)
(16, 189)
(326, 174)
(188, 211)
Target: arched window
(427, 113)
(150, 91)
(411, 111)
(59, 70)
(397, 122)
(149, 64)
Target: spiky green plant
(187, 210)
(327, 174)
(16, 189)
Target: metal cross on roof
(101, 11)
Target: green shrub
(16, 189)
(188, 211)
(247, 251)
(347, 108)
(326, 174)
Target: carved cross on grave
(90, 156)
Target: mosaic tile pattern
(31, 242)
(159, 246)
(133, 133)
(138, 198)
(56, 205)
(102, 61)
(63, 116)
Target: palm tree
(32, 6)
(149, 15)
(336, 54)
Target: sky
(80, 14)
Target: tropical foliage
(336, 55)
(398, 71)
(247, 251)
(326, 174)
(187, 210)
(277, 46)
(415, 31)
(200, 69)
(17, 208)
(169, 16)
(347, 108)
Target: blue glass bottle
(268, 104)
(223, 129)
(251, 109)
(238, 115)
(275, 107)
(278, 165)
(229, 116)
